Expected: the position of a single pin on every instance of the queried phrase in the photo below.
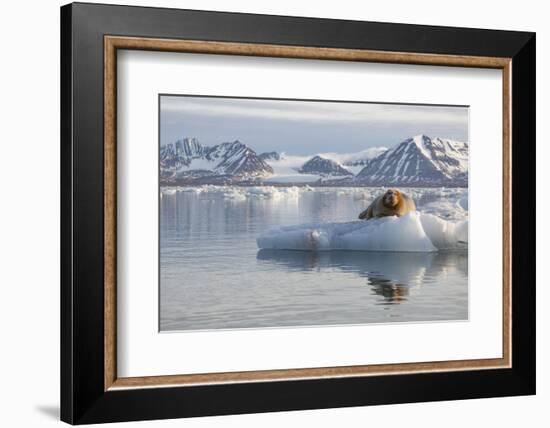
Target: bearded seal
(393, 202)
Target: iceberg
(413, 232)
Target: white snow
(285, 170)
(343, 158)
(458, 150)
(419, 141)
(449, 157)
(198, 164)
(354, 169)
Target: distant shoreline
(314, 184)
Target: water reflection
(390, 291)
(390, 275)
(212, 275)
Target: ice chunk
(235, 195)
(271, 192)
(445, 234)
(384, 234)
(168, 191)
(463, 202)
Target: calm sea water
(212, 275)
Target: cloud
(315, 112)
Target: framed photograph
(266, 213)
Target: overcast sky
(305, 127)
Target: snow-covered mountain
(323, 167)
(181, 153)
(293, 169)
(419, 161)
(188, 161)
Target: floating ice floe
(414, 232)
(271, 192)
(423, 196)
(463, 202)
(261, 192)
(241, 192)
(168, 191)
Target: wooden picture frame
(91, 390)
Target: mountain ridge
(417, 161)
(324, 167)
(188, 160)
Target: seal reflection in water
(393, 202)
(392, 292)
